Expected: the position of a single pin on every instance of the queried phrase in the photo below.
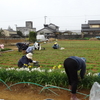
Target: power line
(81, 16)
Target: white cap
(29, 55)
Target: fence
(76, 36)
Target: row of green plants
(44, 76)
(5, 49)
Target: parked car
(98, 37)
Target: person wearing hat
(25, 60)
(55, 46)
(72, 65)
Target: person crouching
(25, 60)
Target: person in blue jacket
(55, 46)
(30, 49)
(25, 60)
(72, 65)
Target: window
(94, 26)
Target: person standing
(72, 65)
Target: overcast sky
(67, 14)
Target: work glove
(34, 61)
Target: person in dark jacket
(72, 65)
(25, 60)
(22, 46)
(19, 45)
(55, 46)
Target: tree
(19, 33)
(1, 33)
(32, 36)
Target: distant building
(25, 30)
(9, 32)
(49, 30)
(93, 27)
(71, 32)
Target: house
(49, 30)
(25, 30)
(93, 27)
(9, 32)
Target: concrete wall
(73, 36)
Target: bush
(44, 77)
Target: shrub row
(44, 76)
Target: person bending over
(55, 46)
(25, 60)
(72, 65)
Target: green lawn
(53, 57)
(49, 58)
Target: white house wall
(8, 33)
(25, 30)
(44, 31)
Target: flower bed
(56, 77)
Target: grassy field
(48, 59)
(53, 57)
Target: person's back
(30, 49)
(72, 66)
(55, 46)
(36, 45)
(24, 46)
(19, 46)
(25, 60)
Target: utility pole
(16, 26)
(85, 19)
(45, 19)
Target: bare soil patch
(33, 92)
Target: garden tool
(36, 64)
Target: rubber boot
(70, 87)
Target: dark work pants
(70, 66)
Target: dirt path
(33, 92)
